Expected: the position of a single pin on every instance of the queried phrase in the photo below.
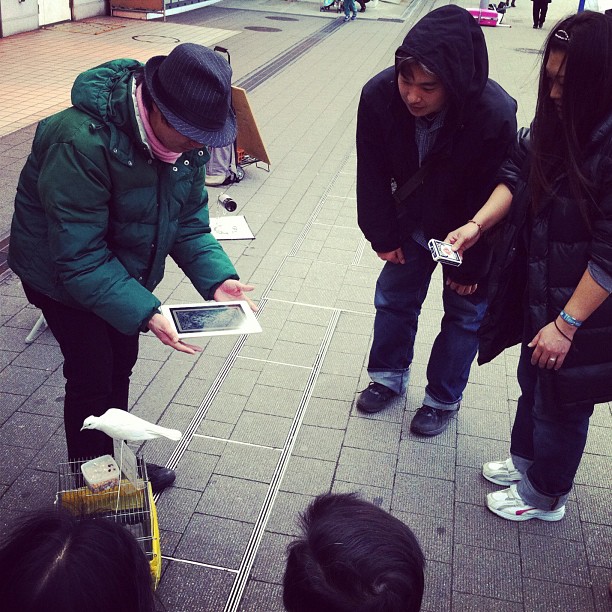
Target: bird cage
(129, 504)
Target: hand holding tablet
(211, 319)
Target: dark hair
(353, 557)
(56, 561)
(559, 141)
(147, 98)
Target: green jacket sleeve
(195, 249)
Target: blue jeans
(547, 440)
(400, 292)
(349, 7)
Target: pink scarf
(158, 149)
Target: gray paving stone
(601, 594)
(46, 400)
(14, 460)
(595, 471)
(227, 407)
(377, 495)
(293, 353)
(52, 454)
(215, 429)
(594, 504)
(274, 400)
(308, 476)
(366, 467)
(489, 573)
(557, 560)
(318, 443)
(271, 559)
(481, 398)
(474, 452)
(570, 528)
(186, 587)
(426, 460)
(435, 534)
(248, 462)
(438, 582)
(194, 470)
(233, 498)
(285, 514)
(310, 315)
(175, 507)
(471, 487)
(382, 436)
(335, 387)
(9, 403)
(168, 541)
(483, 424)
(326, 412)
(48, 359)
(214, 540)
(31, 491)
(262, 597)
(343, 364)
(262, 429)
(542, 596)
(418, 495)
(599, 441)
(467, 602)
(21, 380)
(477, 526)
(29, 430)
(285, 377)
(598, 543)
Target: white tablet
(211, 318)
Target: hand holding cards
(443, 252)
(211, 319)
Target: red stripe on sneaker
(519, 512)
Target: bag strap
(411, 184)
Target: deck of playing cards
(443, 252)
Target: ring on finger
(553, 359)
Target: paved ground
(269, 420)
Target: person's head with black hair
(353, 557)
(574, 98)
(55, 561)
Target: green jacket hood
(102, 91)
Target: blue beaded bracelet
(569, 319)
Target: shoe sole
(367, 410)
(499, 481)
(525, 517)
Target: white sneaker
(508, 504)
(501, 472)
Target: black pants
(540, 8)
(98, 362)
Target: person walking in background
(431, 133)
(553, 277)
(540, 8)
(112, 186)
(350, 10)
(352, 555)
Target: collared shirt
(425, 133)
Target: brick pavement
(270, 419)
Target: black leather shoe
(374, 398)
(160, 477)
(430, 421)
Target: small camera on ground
(443, 252)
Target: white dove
(121, 425)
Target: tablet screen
(216, 317)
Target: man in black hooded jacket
(436, 115)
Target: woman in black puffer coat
(552, 279)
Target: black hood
(450, 43)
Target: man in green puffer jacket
(114, 185)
